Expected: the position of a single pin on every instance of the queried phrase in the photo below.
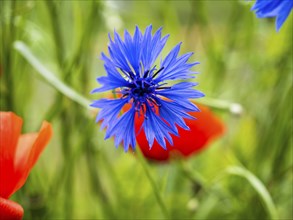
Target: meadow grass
(49, 62)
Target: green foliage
(49, 63)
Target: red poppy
(18, 154)
(202, 130)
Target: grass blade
(50, 77)
(258, 186)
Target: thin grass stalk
(66, 113)
(255, 183)
(57, 34)
(155, 189)
(8, 36)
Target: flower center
(142, 90)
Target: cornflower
(132, 73)
(273, 8)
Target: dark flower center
(143, 89)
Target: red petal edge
(33, 145)
(10, 210)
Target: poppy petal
(10, 128)
(29, 148)
(10, 210)
(204, 129)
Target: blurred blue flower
(132, 72)
(273, 8)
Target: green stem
(233, 107)
(153, 184)
(196, 178)
(49, 76)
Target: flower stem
(233, 107)
(50, 77)
(153, 184)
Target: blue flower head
(132, 73)
(273, 8)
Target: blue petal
(123, 130)
(113, 79)
(267, 8)
(110, 108)
(176, 68)
(152, 47)
(132, 49)
(174, 114)
(182, 90)
(273, 8)
(117, 55)
(171, 57)
(286, 9)
(145, 44)
(156, 128)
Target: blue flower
(132, 73)
(273, 8)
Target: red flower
(202, 130)
(18, 154)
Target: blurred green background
(247, 174)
